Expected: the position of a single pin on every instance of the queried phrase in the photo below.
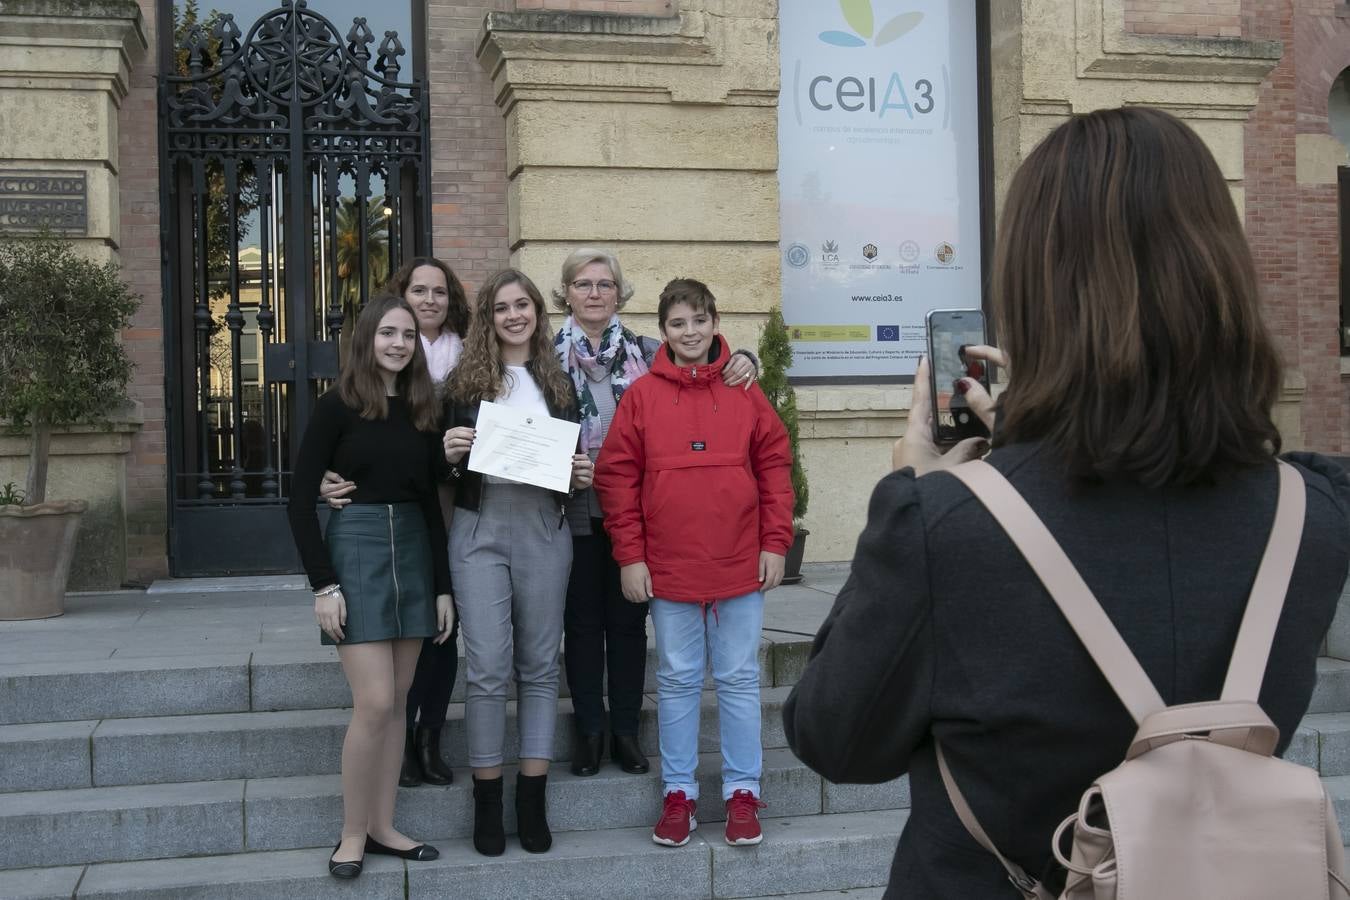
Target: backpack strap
(1065, 586)
(1031, 889)
(1247, 668)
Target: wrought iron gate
(294, 174)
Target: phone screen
(950, 331)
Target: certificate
(522, 446)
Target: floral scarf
(619, 354)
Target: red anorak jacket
(695, 480)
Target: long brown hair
(360, 385)
(481, 374)
(1126, 297)
(456, 312)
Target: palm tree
(347, 228)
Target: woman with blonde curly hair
(510, 547)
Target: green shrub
(775, 358)
(61, 358)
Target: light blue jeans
(687, 636)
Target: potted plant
(61, 363)
(775, 358)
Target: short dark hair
(1126, 297)
(685, 290)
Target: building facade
(513, 131)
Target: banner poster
(879, 178)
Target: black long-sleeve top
(390, 461)
(943, 631)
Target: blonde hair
(580, 259)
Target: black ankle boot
(531, 818)
(410, 775)
(427, 740)
(625, 751)
(489, 838)
(586, 750)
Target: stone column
(653, 136)
(65, 68)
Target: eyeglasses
(604, 286)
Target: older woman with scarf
(603, 630)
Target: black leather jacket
(469, 485)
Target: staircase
(185, 747)
(189, 747)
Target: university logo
(798, 256)
(909, 251)
(858, 15)
(829, 253)
(944, 253)
(869, 251)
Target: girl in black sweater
(380, 575)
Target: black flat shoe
(586, 750)
(420, 853)
(625, 751)
(344, 870)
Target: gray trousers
(509, 562)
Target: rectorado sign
(879, 178)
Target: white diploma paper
(523, 447)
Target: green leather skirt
(382, 556)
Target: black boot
(427, 740)
(531, 818)
(586, 750)
(410, 775)
(489, 838)
(625, 751)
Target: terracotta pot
(37, 544)
(792, 565)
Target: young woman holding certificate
(510, 551)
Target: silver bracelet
(328, 591)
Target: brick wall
(1293, 228)
(621, 7)
(1203, 18)
(138, 183)
(468, 145)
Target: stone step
(245, 681)
(799, 855)
(1332, 692)
(49, 828)
(163, 749)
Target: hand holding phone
(950, 331)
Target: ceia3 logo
(863, 92)
(858, 14)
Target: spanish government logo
(869, 251)
(858, 15)
(798, 255)
(944, 253)
(909, 251)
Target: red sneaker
(743, 819)
(677, 820)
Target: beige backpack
(1199, 808)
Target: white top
(520, 393)
(442, 353)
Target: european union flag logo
(888, 332)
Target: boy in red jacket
(694, 481)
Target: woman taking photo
(1137, 424)
(603, 631)
(437, 299)
(510, 551)
(380, 575)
